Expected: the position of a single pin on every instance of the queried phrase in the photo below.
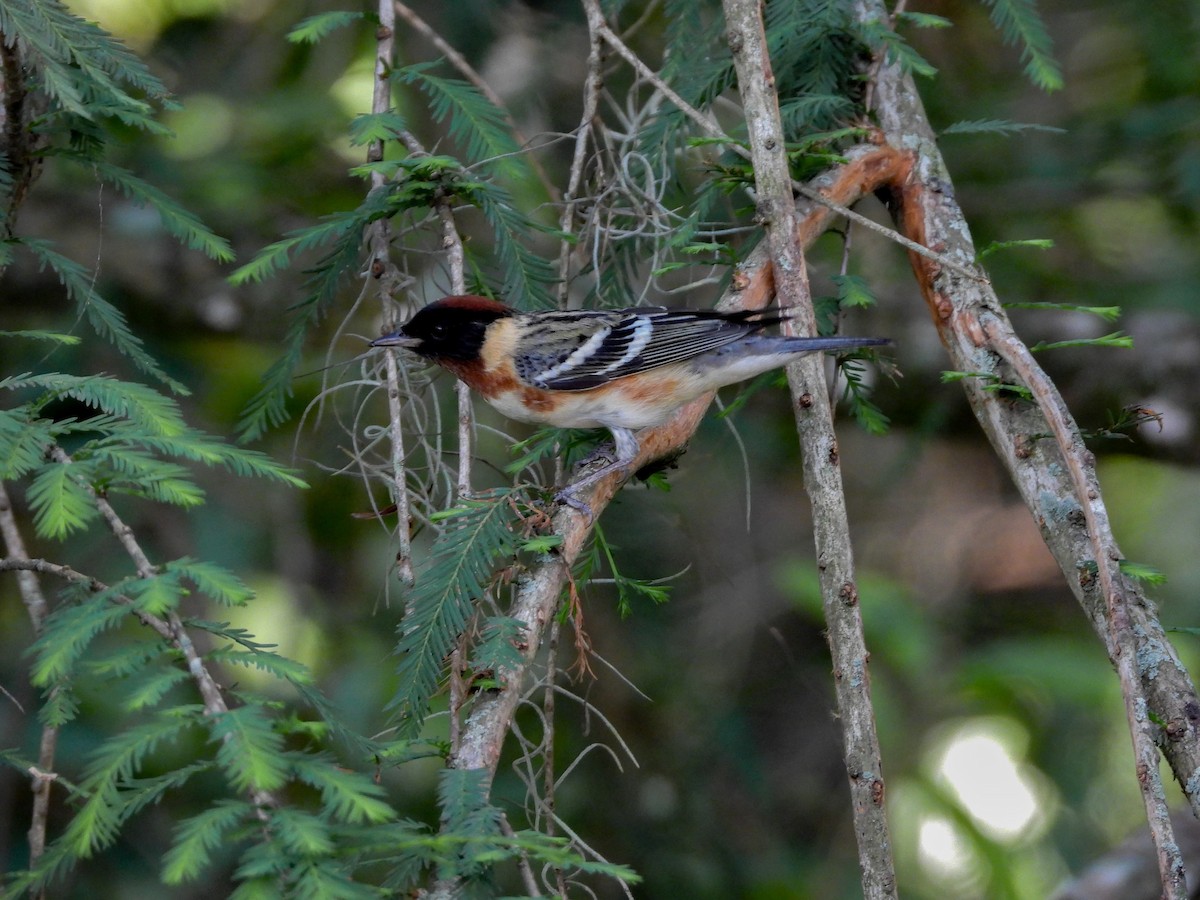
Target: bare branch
(1055, 477)
(591, 101)
(747, 38)
(38, 609)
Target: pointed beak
(396, 339)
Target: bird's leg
(626, 445)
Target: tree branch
(539, 590)
(1049, 463)
(38, 609)
(591, 102)
(746, 34)
(170, 628)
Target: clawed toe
(567, 497)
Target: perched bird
(620, 369)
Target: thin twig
(548, 710)
(384, 271)
(456, 260)
(747, 37)
(709, 126)
(592, 86)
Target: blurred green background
(1006, 756)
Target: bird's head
(451, 329)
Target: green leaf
(476, 535)
(212, 580)
(197, 837)
(898, 50)
(71, 628)
(526, 276)
(1141, 572)
(142, 405)
(498, 645)
(82, 67)
(314, 28)
(467, 814)
(61, 503)
(149, 691)
(370, 127)
(107, 321)
(281, 667)
(1002, 127)
(98, 821)
(345, 795)
(301, 833)
(1116, 339)
(1108, 313)
(990, 382)
(1035, 243)
(24, 440)
(1019, 23)
(479, 126)
(54, 337)
(853, 290)
(924, 20)
(250, 751)
(179, 223)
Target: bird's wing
(574, 351)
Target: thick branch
(36, 606)
(19, 143)
(1046, 457)
(747, 38)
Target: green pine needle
(198, 836)
(1002, 127)
(1020, 23)
(315, 28)
(476, 535)
(250, 751)
(1116, 339)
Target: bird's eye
(439, 331)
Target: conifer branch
(171, 628)
(468, 72)
(19, 140)
(746, 34)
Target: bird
(620, 369)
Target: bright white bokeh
(941, 848)
(982, 765)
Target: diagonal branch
(1049, 463)
(868, 168)
(170, 627)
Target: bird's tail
(837, 342)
